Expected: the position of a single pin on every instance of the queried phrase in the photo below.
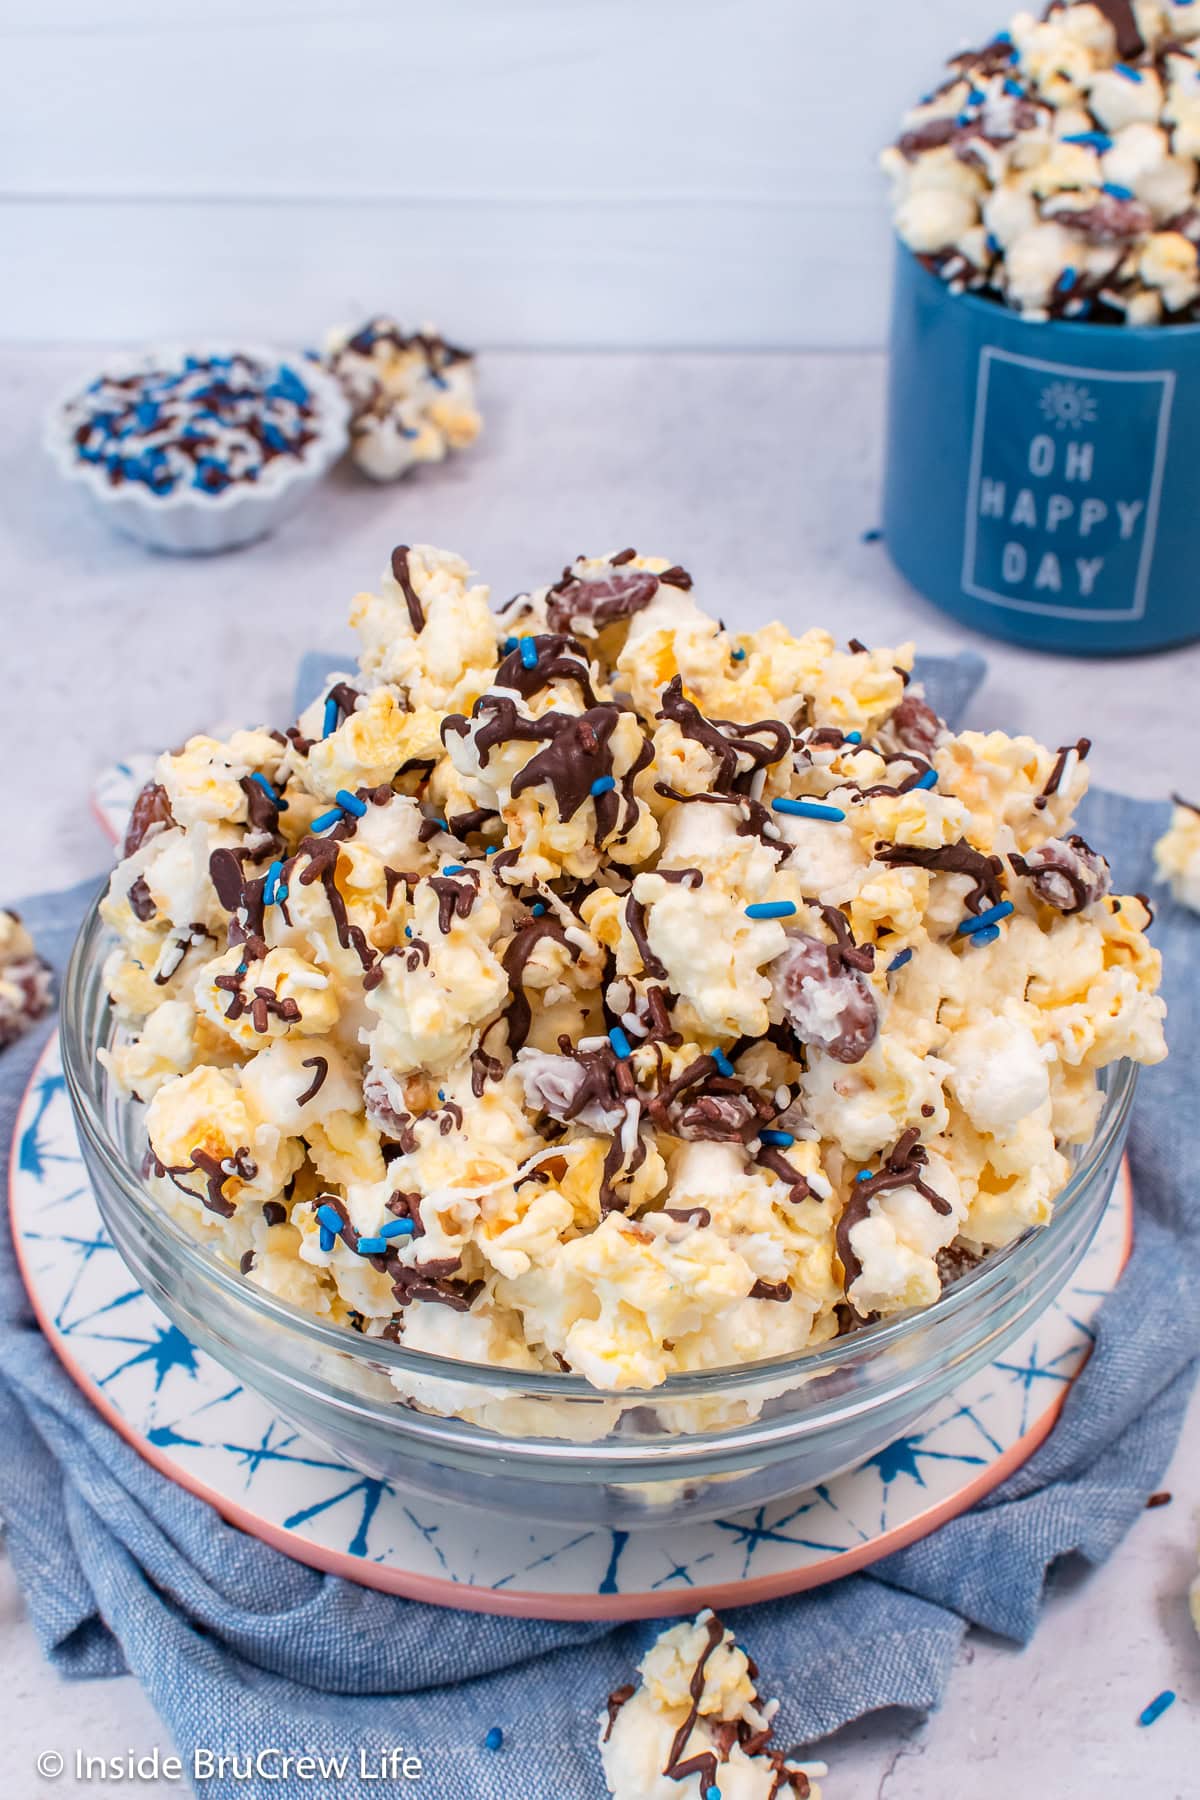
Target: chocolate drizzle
(321, 1065)
(1122, 18)
(402, 576)
(902, 1167)
(322, 854)
(1081, 748)
(729, 741)
(951, 859)
(518, 1015)
(705, 1764)
(616, 1700)
(558, 658)
(635, 919)
(455, 897)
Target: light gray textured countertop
(759, 474)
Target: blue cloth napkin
(242, 1650)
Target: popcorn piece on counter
(1177, 854)
(695, 1726)
(412, 396)
(26, 981)
(584, 988)
(1056, 168)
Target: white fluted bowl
(188, 521)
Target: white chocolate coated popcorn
(585, 988)
(25, 980)
(695, 1722)
(1177, 855)
(411, 394)
(1057, 168)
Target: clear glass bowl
(550, 1446)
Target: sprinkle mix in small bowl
(200, 450)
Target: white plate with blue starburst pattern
(188, 1417)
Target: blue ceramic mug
(1042, 479)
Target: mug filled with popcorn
(1043, 442)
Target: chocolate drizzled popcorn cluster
(1057, 168)
(411, 394)
(588, 987)
(26, 981)
(206, 423)
(695, 1726)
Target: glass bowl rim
(80, 1067)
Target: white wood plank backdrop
(526, 172)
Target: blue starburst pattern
(219, 1437)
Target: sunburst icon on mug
(1068, 405)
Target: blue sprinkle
(980, 921)
(453, 869)
(864, 1175)
(1003, 37)
(350, 802)
(537, 909)
(328, 1239)
(281, 893)
(330, 1218)
(737, 655)
(1117, 192)
(988, 935)
(331, 716)
(441, 1095)
(853, 737)
(408, 931)
(509, 645)
(771, 909)
(780, 1138)
(327, 819)
(397, 1228)
(994, 244)
(1125, 70)
(442, 824)
(807, 809)
(898, 962)
(529, 653)
(146, 414)
(372, 1246)
(712, 1793)
(1014, 88)
(287, 386)
(1095, 140)
(620, 1043)
(1157, 1707)
(928, 780)
(495, 1738)
(603, 784)
(722, 1061)
(262, 782)
(1067, 280)
(491, 850)
(272, 881)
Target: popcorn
(412, 396)
(1177, 854)
(586, 989)
(695, 1723)
(25, 980)
(1056, 168)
